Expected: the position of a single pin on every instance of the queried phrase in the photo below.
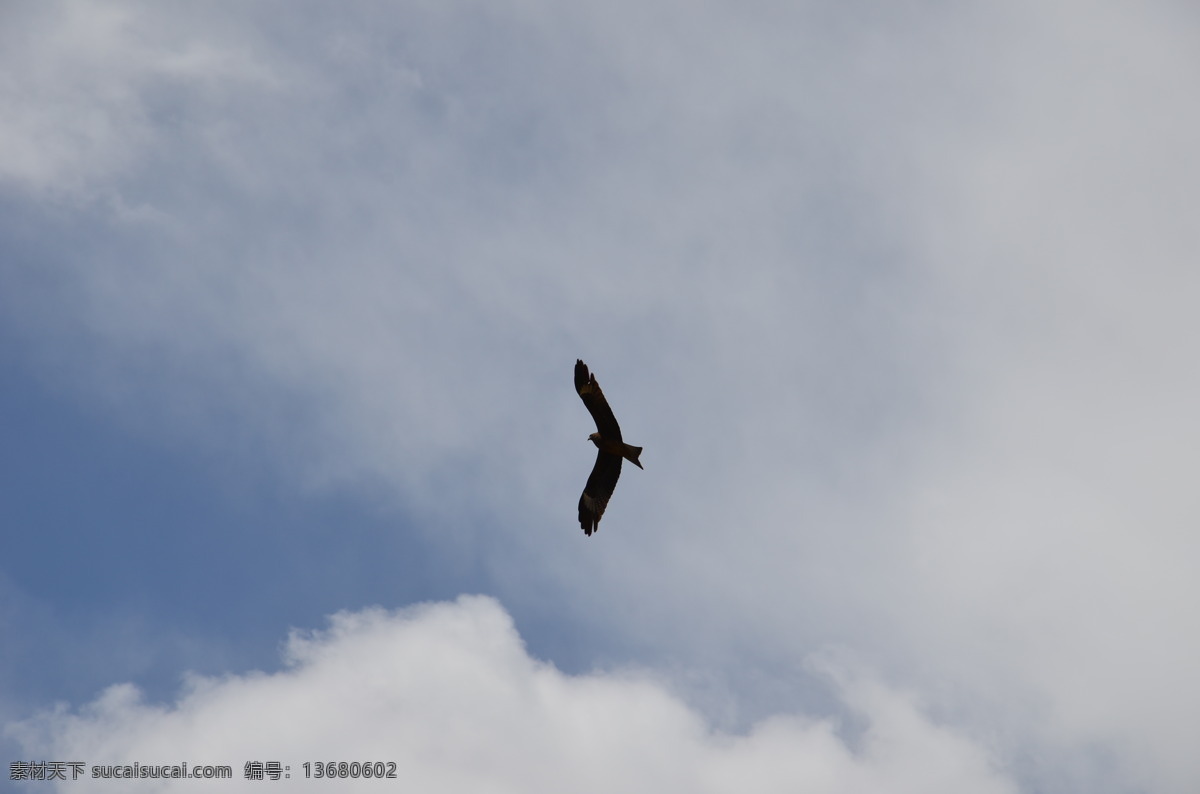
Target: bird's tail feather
(630, 453)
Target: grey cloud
(898, 306)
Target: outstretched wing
(593, 399)
(600, 485)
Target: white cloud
(448, 692)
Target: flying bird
(603, 479)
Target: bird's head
(594, 438)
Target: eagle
(603, 479)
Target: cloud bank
(448, 692)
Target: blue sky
(898, 301)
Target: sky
(899, 300)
